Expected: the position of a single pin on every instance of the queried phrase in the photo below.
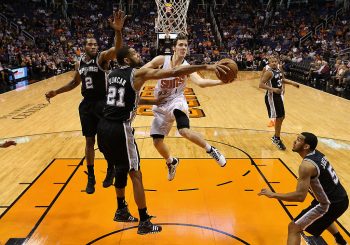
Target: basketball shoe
(108, 181)
(172, 168)
(90, 187)
(278, 142)
(219, 158)
(146, 227)
(123, 215)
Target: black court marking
(269, 185)
(225, 183)
(190, 189)
(41, 206)
(150, 190)
(15, 241)
(58, 183)
(23, 183)
(227, 128)
(274, 182)
(170, 224)
(248, 190)
(246, 173)
(19, 197)
(54, 200)
(4, 206)
(72, 165)
(291, 205)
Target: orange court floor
(205, 204)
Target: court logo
(24, 111)
(147, 94)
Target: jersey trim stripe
(98, 65)
(272, 105)
(132, 75)
(310, 216)
(318, 169)
(131, 147)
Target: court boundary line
(138, 127)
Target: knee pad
(157, 136)
(182, 120)
(121, 179)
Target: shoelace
(216, 155)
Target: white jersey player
(172, 106)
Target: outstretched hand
(8, 143)
(266, 192)
(50, 94)
(117, 22)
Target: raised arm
(306, 171)
(117, 24)
(68, 87)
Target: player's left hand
(266, 192)
(118, 20)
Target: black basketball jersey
(325, 186)
(276, 80)
(93, 79)
(122, 98)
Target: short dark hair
(86, 40)
(310, 139)
(180, 36)
(122, 54)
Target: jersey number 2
(112, 94)
(88, 83)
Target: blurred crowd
(246, 31)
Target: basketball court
(43, 199)
(43, 178)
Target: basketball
(231, 74)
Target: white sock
(169, 160)
(207, 147)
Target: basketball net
(172, 16)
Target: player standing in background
(273, 81)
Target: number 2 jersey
(93, 79)
(122, 97)
(326, 185)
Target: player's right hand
(277, 90)
(50, 94)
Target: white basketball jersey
(170, 88)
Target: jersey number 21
(112, 99)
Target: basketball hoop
(172, 16)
